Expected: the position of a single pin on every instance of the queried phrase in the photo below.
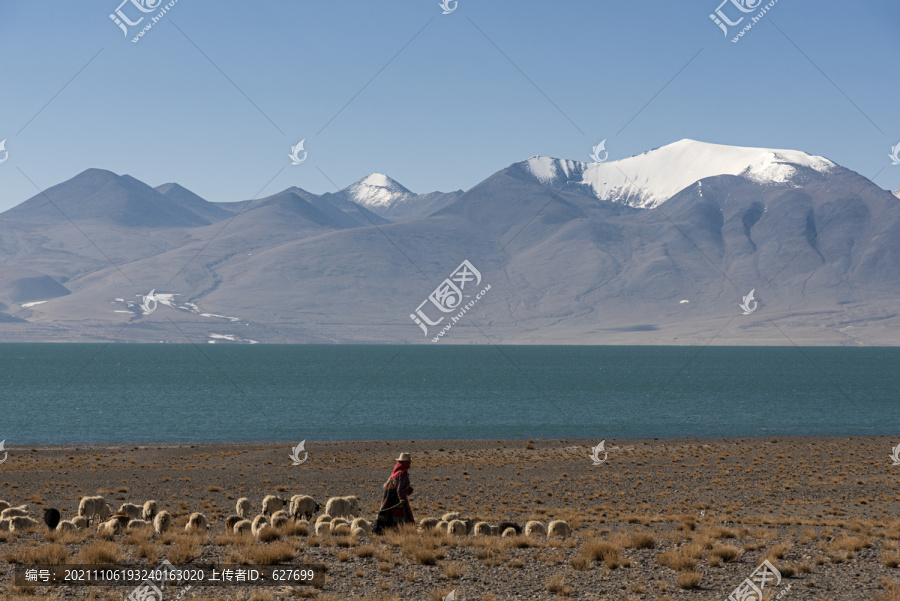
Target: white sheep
(21, 523)
(509, 532)
(470, 524)
(134, 512)
(80, 522)
(110, 527)
(303, 506)
(271, 504)
(442, 526)
(149, 511)
(280, 519)
(449, 517)
(12, 512)
(342, 507)
(230, 521)
(457, 527)
(243, 507)
(361, 523)
(196, 522)
(428, 523)
(495, 530)
(323, 518)
(66, 525)
(338, 521)
(558, 528)
(482, 529)
(535, 528)
(94, 506)
(323, 528)
(243, 526)
(258, 522)
(138, 525)
(162, 522)
(357, 532)
(341, 530)
(3, 505)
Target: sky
(215, 94)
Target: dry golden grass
(453, 570)
(689, 580)
(184, 549)
(34, 553)
(677, 560)
(66, 537)
(640, 540)
(557, 584)
(724, 553)
(597, 550)
(891, 591)
(101, 551)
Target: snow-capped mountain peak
(649, 179)
(378, 191)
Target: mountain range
(660, 248)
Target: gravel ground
(659, 519)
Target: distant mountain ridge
(587, 253)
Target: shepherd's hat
(404, 457)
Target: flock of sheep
(341, 517)
(452, 523)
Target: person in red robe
(395, 509)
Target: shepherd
(395, 509)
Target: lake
(144, 393)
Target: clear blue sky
(450, 109)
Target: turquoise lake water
(122, 393)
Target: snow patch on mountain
(649, 179)
(897, 192)
(378, 191)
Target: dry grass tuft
(677, 560)
(689, 580)
(102, 551)
(52, 554)
(184, 549)
(724, 553)
(280, 552)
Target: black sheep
(51, 518)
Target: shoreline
(258, 445)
